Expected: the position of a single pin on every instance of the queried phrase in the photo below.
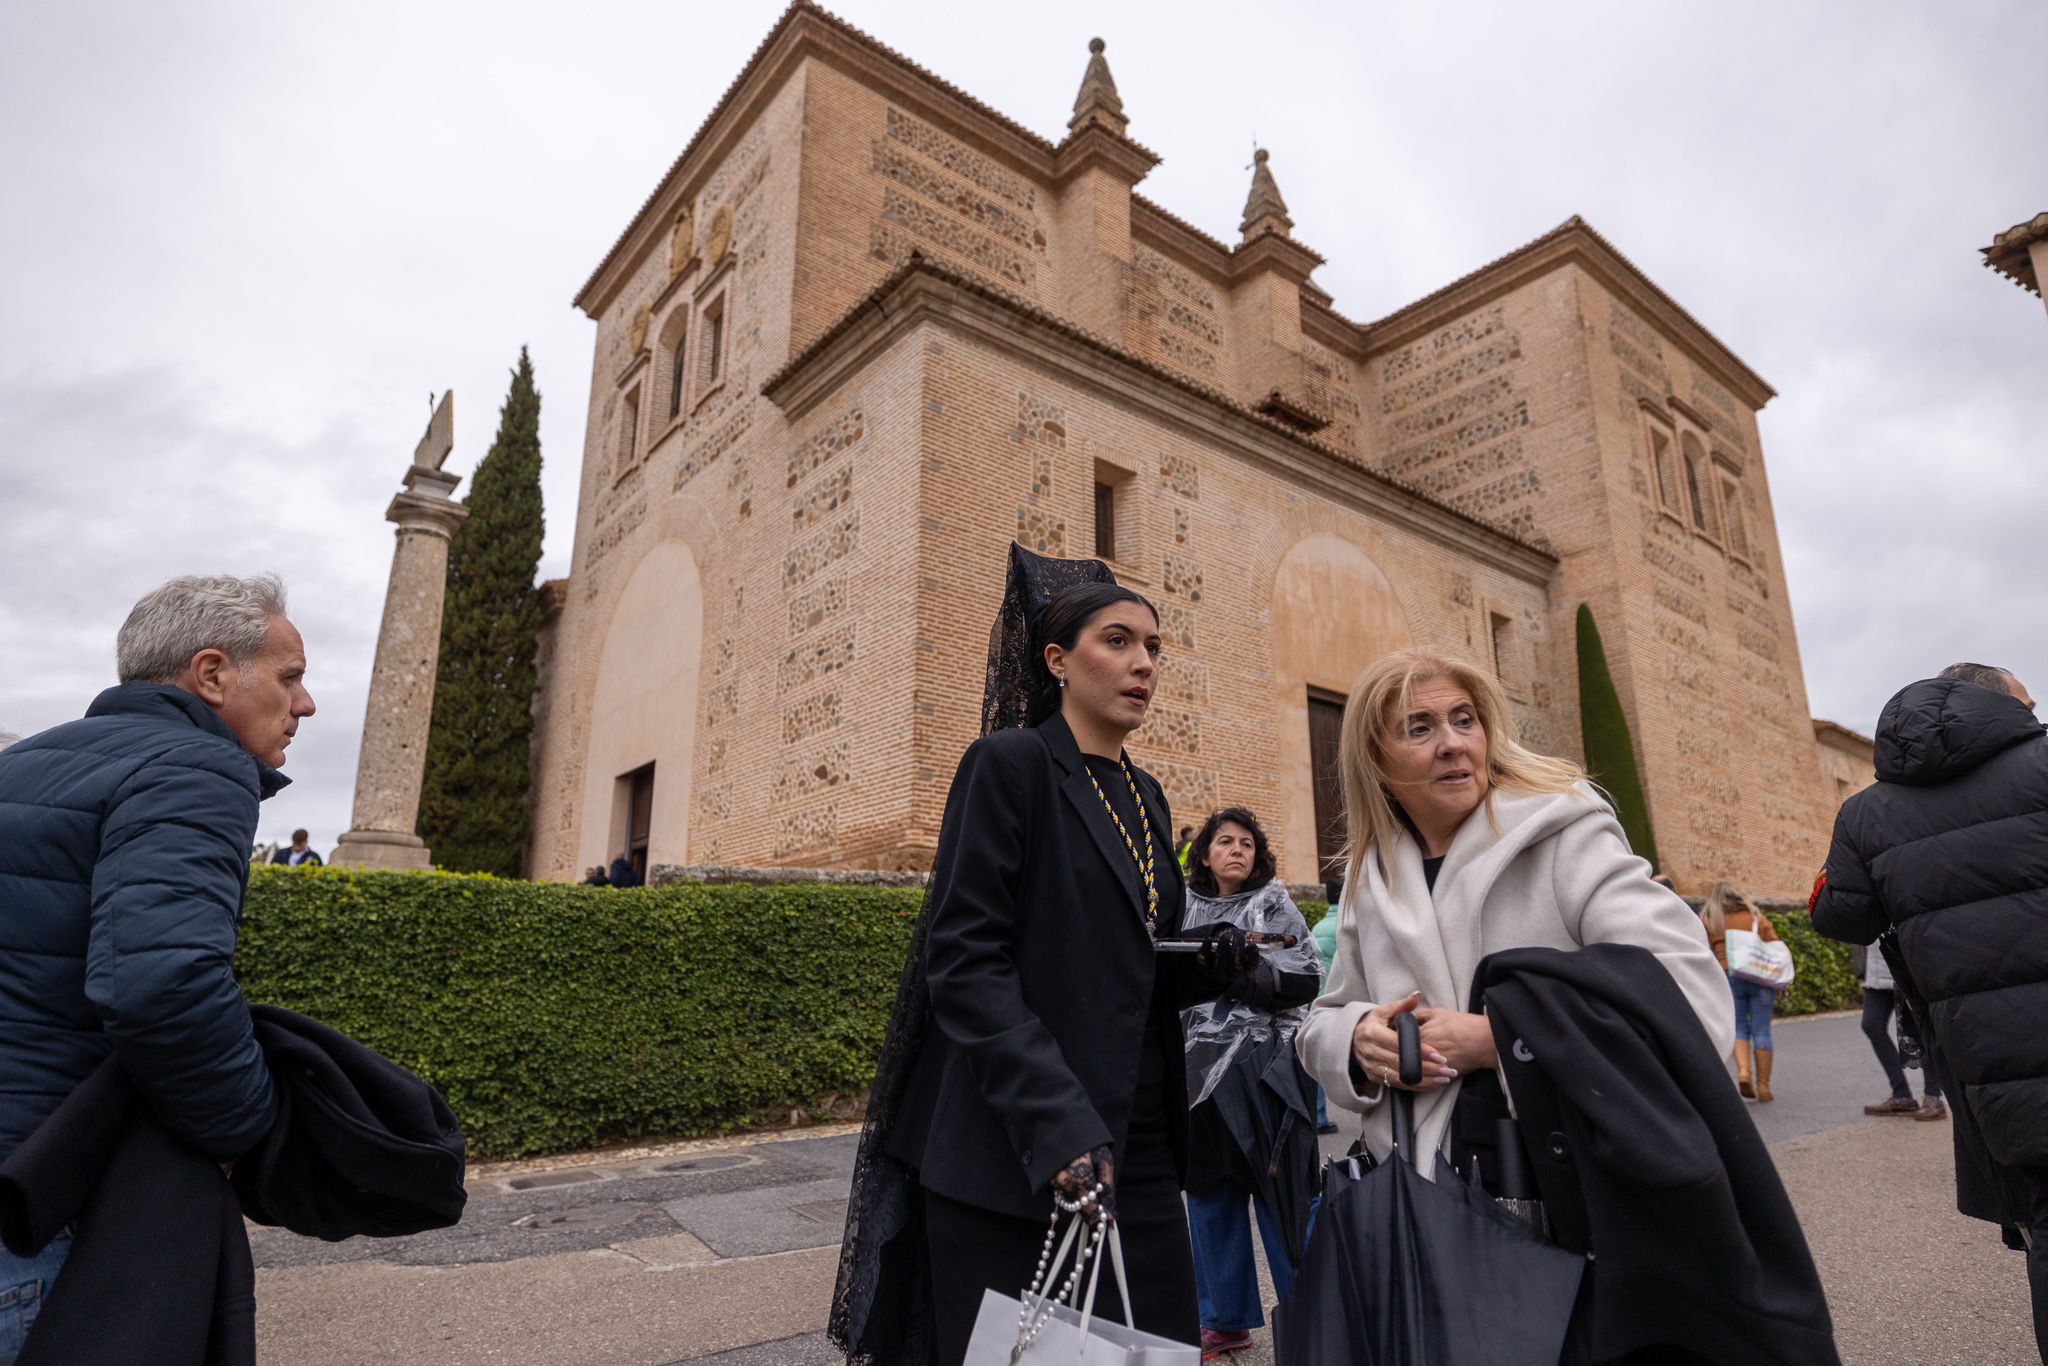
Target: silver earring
(1063, 682)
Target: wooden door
(1325, 745)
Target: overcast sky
(245, 243)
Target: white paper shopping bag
(1070, 1337)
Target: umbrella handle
(1408, 1042)
(1408, 1039)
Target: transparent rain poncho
(1218, 1030)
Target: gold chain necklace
(1145, 864)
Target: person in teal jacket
(1325, 934)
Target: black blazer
(1041, 977)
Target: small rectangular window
(1497, 627)
(1731, 517)
(678, 377)
(629, 431)
(1105, 520)
(712, 342)
(1661, 471)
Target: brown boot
(1742, 1082)
(1933, 1107)
(1763, 1075)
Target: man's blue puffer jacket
(124, 857)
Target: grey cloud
(257, 239)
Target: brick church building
(866, 331)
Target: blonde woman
(1727, 909)
(1462, 843)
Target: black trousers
(973, 1250)
(1877, 1027)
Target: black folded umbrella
(1269, 1108)
(1403, 1271)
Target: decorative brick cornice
(1094, 145)
(803, 30)
(1271, 251)
(1572, 242)
(922, 291)
(1827, 731)
(1177, 236)
(2010, 253)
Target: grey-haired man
(124, 846)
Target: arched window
(1699, 490)
(671, 357)
(677, 375)
(1663, 471)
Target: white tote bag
(1070, 1337)
(1768, 963)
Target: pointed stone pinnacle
(1098, 101)
(1264, 209)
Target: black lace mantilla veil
(880, 1310)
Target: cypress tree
(1610, 753)
(474, 807)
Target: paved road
(724, 1255)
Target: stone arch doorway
(643, 715)
(1334, 613)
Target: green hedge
(556, 1017)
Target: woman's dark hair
(1061, 624)
(1202, 879)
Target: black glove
(1224, 954)
(1255, 988)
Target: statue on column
(394, 753)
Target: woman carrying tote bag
(1727, 910)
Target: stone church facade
(867, 331)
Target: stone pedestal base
(381, 849)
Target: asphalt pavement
(723, 1253)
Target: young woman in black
(1052, 1061)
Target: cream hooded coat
(1549, 870)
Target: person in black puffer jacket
(124, 855)
(1950, 850)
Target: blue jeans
(1226, 1278)
(24, 1284)
(1322, 1107)
(1753, 1011)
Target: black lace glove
(1225, 955)
(1079, 1178)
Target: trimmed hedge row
(557, 1017)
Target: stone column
(394, 754)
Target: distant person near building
(1727, 909)
(623, 873)
(1939, 864)
(1326, 954)
(137, 875)
(1182, 845)
(594, 876)
(298, 854)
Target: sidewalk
(722, 1253)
